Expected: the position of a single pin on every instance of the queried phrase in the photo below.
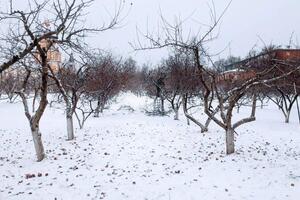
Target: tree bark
(176, 114)
(70, 127)
(287, 117)
(97, 110)
(162, 107)
(37, 140)
(229, 141)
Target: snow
(233, 70)
(129, 155)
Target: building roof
(280, 54)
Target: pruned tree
(226, 96)
(35, 117)
(256, 72)
(30, 36)
(177, 67)
(130, 76)
(70, 81)
(285, 92)
(154, 86)
(84, 110)
(104, 80)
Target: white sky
(244, 23)
(246, 20)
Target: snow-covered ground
(128, 155)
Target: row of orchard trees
(81, 88)
(86, 84)
(85, 87)
(191, 73)
(25, 66)
(86, 90)
(185, 83)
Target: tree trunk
(162, 106)
(229, 141)
(208, 120)
(287, 117)
(253, 109)
(101, 108)
(38, 144)
(298, 109)
(155, 109)
(261, 104)
(70, 127)
(97, 110)
(238, 109)
(10, 97)
(176, 114)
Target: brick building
(248, 68)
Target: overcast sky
(243, 24)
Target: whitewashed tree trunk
(34, 119)
(69, 118)
(70, 127)
(67, 96)
(229, 141)
(155, 105)
(38, 144)
(34, 126)
(162, 106)
(287, 116)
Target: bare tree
(27, 30)
(71, 85)
(35, 117)
(29, 35)
(84, 110)
(104, 80)
(228, 95)
(154, 86)
(284, 93)
(229, 91)
(176, 68)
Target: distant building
(53, 55)
(276, 54)
(247, 68)
(235, 75)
